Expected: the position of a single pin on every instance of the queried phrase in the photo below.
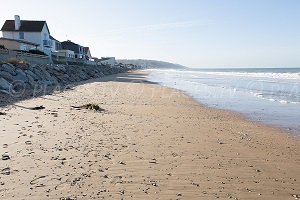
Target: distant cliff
(152, 64)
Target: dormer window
(21, 35)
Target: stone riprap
(23, 77)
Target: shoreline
(247, 116)
(238, 114)
(243, 116)
(150, 142)
(277, 128)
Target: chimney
(17, 22)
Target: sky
(194, 33)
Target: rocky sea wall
(22, 80)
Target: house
(78, 49)
(60, 55)
(64, 54)
(13, 44)
(87, 52)
(56, 45)
(32, 31)
(63, 57)
(111, 61)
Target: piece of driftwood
(37, 108)
(90, 106)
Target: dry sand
(150, 143)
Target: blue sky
(195, 33)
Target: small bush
(2, 47)
(18, 62)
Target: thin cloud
(159, 27)
(167, 26)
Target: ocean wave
(273, 98)
(257, 75)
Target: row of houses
(27, 35)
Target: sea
(265, 95)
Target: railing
(7, 55)
(89, 62)
(4, 55)
(20, 54)
(4, 51)
(47, 43)
(76, 61)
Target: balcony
(47, 43)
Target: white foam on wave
(294, 76)
(189, 80)
(260, 95)
(288, 75)
(274, 99)
(283, 101)
(279, 100)
(293, 102)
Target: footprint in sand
(5, 156)
(5, 171)
(36, 182)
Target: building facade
(32, 31)
(78, 49)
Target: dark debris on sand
(37, 108)
(90, 106)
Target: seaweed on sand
(90, 106)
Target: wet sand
(150, 142)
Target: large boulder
(6, 76)
(82, 76)
(66, 77)
(46, 83)
(31, 80)
(33, 75)
(21, 76)
(47, 75)
(54, 80)
(38, 72)
(59, 68)
(7, 67)
(4, 84)
(100, 74)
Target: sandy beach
(150, 142)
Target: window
(21, 36)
